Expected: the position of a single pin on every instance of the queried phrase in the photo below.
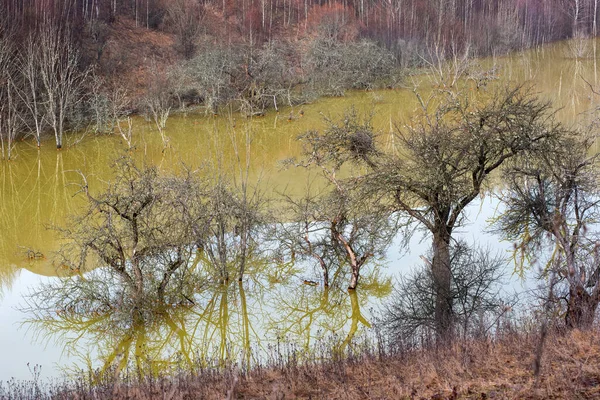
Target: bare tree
(10, 114)
(552, 203)
(334, 231)
(359, 228)
(448, 65)
(234, 229)
(111, 107)
(158, 102)
(142, 228)
(185, 19)
(215, 73)
(441, 164)
(333, 66)
(305, 236)
(444, 161)
(32, 94)
(475, 290)
(61, 78)
(361, 234)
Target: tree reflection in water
(142, 296)
(220, 324)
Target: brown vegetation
(483, 369)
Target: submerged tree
(11, 115)
(62, 80)
(158, 102)
(552, 202)
(335, 231)
(444, 161)
(441, 163)
(128, 269)
(358, 228)
(32, 93)
(234, 229)
(142, 230)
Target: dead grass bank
(502, 369)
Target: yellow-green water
(38, 190)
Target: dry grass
(132, 52)
(474, 370)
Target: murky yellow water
(38, 190)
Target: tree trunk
(354, 278)
(442, 278)
(324, 268)
(59, 133)
(581, 308)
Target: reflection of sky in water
(475, 231)
(19, 346)
(275, 312)
(36, 187)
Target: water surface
(272, 308)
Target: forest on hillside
(151, 252)
(394, 24)
(88, 64)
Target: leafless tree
(184, 17)
(158, 102)
(444, 160)
(475, 290)
(358, 229)
(334, 232)
(142, 230)
(552, 203)
(11, 118)
(111, 106)
(361, 234)
(448, 64)
(214, 74)
(305, 236)
(61, 78)
(333, 66)
(10, 114)
(234, 230)
(32, 94)
(442, 163)
(274, 73)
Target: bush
(334, 66)
(475, 292)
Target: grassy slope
(474, 370)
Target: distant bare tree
(111, 107)
(333, 66)
(158, 102)
(214, 74)
(185, 18)
(61, 78)
(11, 118)
(32, 93)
